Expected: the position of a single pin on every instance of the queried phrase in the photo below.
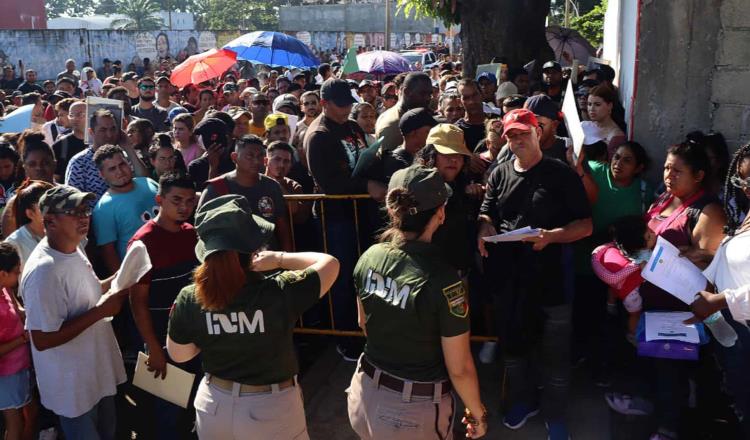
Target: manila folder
(174, 388)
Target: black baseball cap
(426, 185)
(211, 131)
(106, 60)
(415, 119)
(543, 105)
(338, 92)
(552, 65)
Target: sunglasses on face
(390, 96)
(740, 183)
(147, 87)
(261, 102)
(80, 213)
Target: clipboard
(174, 388)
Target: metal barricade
(297, 198)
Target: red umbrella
(203, 67)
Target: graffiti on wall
(46, 50)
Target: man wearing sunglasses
(146, 108)
(260, 107)
(66, 304)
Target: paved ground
(325, 403)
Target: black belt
(425, 389)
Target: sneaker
(629, 405)
(518, 415)
(557, 431)
(487, 353)
(347, 355)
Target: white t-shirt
(729, 271)
(74, 376)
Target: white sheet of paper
(669, 326)
(134, 266)
(669, 271)
(174, 388)
(573, 120)
(514, 235)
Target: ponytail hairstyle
(219, 278)
(400, 205)
(735, 201)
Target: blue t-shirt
(118, 216)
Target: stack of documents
(174, 388)
(515, 235)
(669, 326)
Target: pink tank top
(676, 229)
(11, 327)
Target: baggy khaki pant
(382, 414)
(229, 415)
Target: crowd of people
(198, 176)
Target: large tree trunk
(512, 29)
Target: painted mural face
(162, 46)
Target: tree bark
(512, 29)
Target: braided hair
(735, 202)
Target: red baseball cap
(519, 119)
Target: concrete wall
(322, 40)
(46, 50)
(355, 17)
(693, 72)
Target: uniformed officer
(241, 322)
(414, 311)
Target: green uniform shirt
(249, 342)
(411, 299)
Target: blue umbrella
(274, 49)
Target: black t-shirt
(332, 153)
(10, 84)
(549, 195)
(28, 88)
(382, 165)
(198, 169)
(456, 236)
(65, 148)
(473, 134)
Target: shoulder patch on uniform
(293, 276)
(455, 294)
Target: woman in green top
(414, 312)
(615, 190)
(241, 323)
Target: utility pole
(388, 24)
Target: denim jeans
(97, 424)
(341, 236)
(551, 359)
(735, 361)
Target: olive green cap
(227, 223)
(426, 185)
(63, 198)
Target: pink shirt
(11, 327)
